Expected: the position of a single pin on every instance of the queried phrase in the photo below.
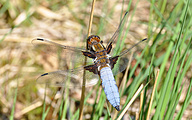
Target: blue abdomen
(110, 87)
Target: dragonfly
(101, 65)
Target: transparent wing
(123, 60)
(70, 64)
(127, 50)
(68, 78)
(120, 65)
(67, 57)
(116, 34)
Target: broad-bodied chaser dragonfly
(102, 66)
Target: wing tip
(41, 39)
(44, 74)
(144, 39)
(126, 12)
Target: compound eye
(97, 37)
(101, 41)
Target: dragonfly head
(91, 40)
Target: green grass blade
(173, 67)
(175, 105)
(179, 78)
(186, 102)
(45, 112)
(165, 93)
(14, 103)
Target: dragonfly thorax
(101, 56)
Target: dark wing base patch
(92, 68)
(113, 61)
(88, 54)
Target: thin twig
(137, 116)
(141, 102)
(153, 92)
(123, 83)
(126, 73)
(28, 109)
(131, 101)
(84, 73)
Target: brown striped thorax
(95, 45)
